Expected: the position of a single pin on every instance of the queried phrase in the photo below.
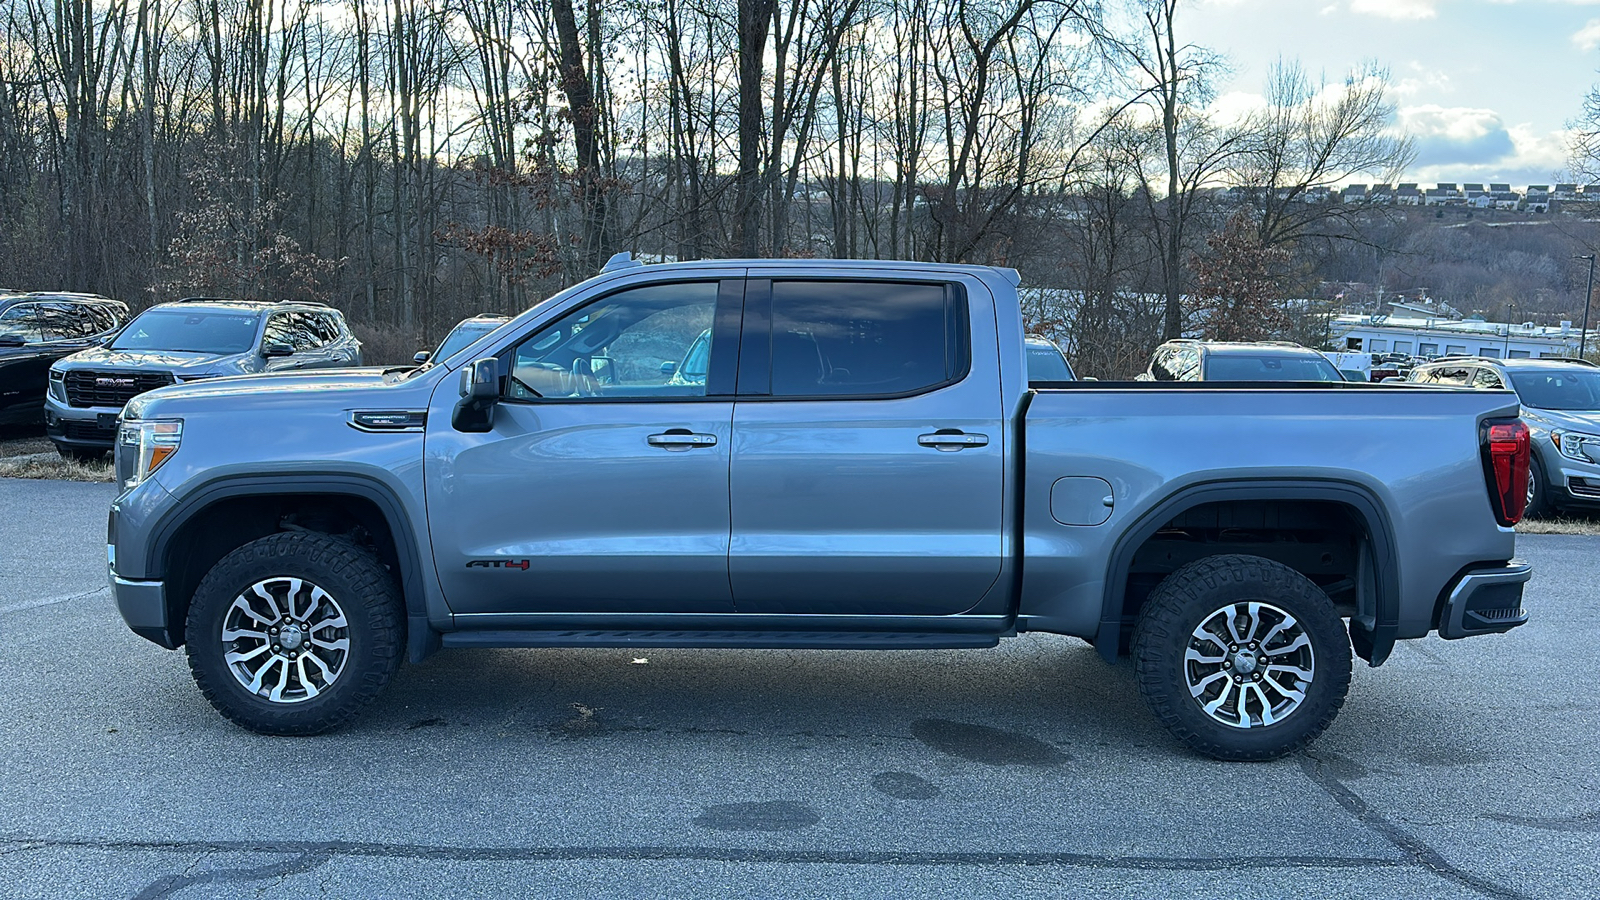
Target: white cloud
(1467, 144)
(1423, 79)
(1588, 37)
(1396, 9)
(1459, 135)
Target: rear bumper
(1485, 601)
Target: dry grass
(50, 465)
(20, 445)
(1562, 525)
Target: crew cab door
(603, 484)
(868, 448)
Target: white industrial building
(1418, 331)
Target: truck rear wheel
(1242, 658)
(294, 633)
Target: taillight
(1506, 449)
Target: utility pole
(1588, 297)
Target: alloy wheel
(1249, 664)
(285, 639)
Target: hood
(1587, 421)
(302, 388)
(178, 362)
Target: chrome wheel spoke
(340, 645)
(1193, 655)
(234, 656)
(1300, 640)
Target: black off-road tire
(1193, 594)
(363, 589)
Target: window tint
(1558, 389)
(103, 318)
(278, 330)
(20, 321)
(1186, 364)
(1240, 367)
(1161, 364)
(175, 328)
(63, 321)
(1487, 378)
(1452, 374)
(631, 344)
(839, 338)
(325, 327)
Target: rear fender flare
(1373, 646)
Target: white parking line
(50, 601)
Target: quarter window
(865, 339)
(643, 343)
(20, 321)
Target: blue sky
(1485, 86)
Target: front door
(869, 446)
(603, 485)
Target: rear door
(868, 448)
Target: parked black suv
(36, 329)
(190, 340)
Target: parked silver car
(1561, 404)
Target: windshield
(1045, 363)
(1241, 367)
(195, 331)
(1558, 389)
(464, 334)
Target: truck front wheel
(1242, 658)
(294, 633)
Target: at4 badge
(499, 564)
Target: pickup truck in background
(864, 465)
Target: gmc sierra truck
(863, 465)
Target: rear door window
(865, 338)
(20, 321)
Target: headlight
(58, 386)
(1577, 446)
(146, 445)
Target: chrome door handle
(681, 439)
(952, 440)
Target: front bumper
(81, 428)
(1485, 601)
(143, 605)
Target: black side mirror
(668, 367)
(420, 357)
(12, 340)
(274, 349)
(480, 392)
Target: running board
(742, 640)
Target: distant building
(1566, 193)
(1381, 195)
(1413, 332)
(1537, 198)
(1353, 193)
(1408, 195)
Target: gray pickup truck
(864, 465)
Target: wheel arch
(1372, 643)
(225, 513)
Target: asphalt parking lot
(1464, 769)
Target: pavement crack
(300, 863)
(305, 856)
(1412, 846)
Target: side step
(744, 640)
